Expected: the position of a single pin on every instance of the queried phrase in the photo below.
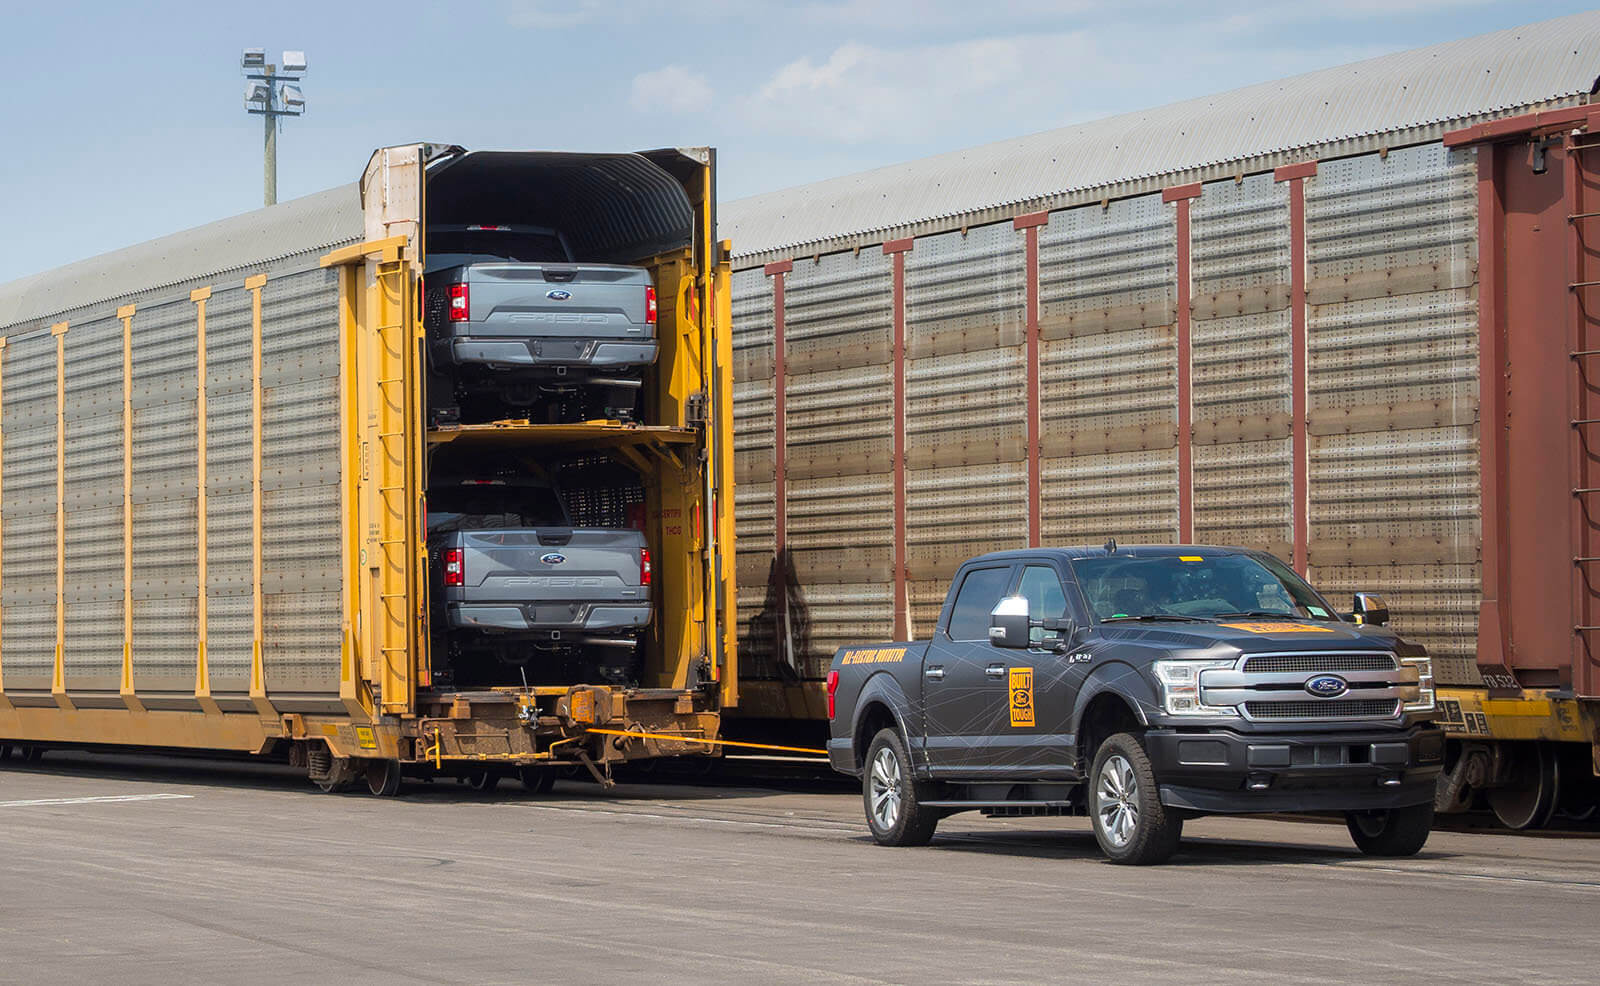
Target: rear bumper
(530, 618)
(1226, 772)
(556, 356)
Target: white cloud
(673, 89)
(862, 92)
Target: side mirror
(1009, 622)
(1370, 609)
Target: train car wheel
(1531, 799)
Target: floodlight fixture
(272, 97)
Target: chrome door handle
(995, 670)
(936, 673)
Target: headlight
(1424, 702)
(1180, 688)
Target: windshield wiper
(1158, 618)
(1261, 612)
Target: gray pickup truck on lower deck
(1140, 686)
(518, 591)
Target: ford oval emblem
(1327, 686)
(554, 558)
(558, 295)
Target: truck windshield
(454, 248)
(1198, 586)
(476, 507)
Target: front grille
(1315, 663)
(1355, 708)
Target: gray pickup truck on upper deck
(517, 328)
(1140, 686)
(516, 586)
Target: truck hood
(1255, 635)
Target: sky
(122, 122)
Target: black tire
(1131, 824)
(483, 781)
(538, 780)
(893, 796)
(1391, 832)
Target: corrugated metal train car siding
(302, 514)
(1241, 325)
(838, 504)
(1107, 378)
(300, 476)
(28, 466)
(1389, 411)
(755, 496)
(1393, 319)
(966, 402)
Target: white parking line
(91, 801)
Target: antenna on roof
(1111, 546)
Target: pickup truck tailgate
(555, 565)
(583, 301)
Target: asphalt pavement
(147, 870)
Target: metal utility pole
(272, 97)
(269, 164)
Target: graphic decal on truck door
(1021, 682)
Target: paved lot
(156, 871)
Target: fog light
(1390, 780)
(1258, 782)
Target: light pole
(272, 96)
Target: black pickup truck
(1141, 686)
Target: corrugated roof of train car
(1393, 100)
(313, 223)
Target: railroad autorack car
(1347, 318)
(216, 462)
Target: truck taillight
(460, 303)
(644, 566)
(455, 569)
(833, 687)
(649, 306)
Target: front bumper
(529, 618)
(556, 356)
(1227, 772)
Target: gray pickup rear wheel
(1131, 824)
(892, 795)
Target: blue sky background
(122, 122)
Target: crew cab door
(1042, 684)
(964, 694)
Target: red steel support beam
(1181, 195)
(1586, 115)
(1299, 355)
(1493, 627)
(776, 271)
(1029, 225)
(896, 250)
